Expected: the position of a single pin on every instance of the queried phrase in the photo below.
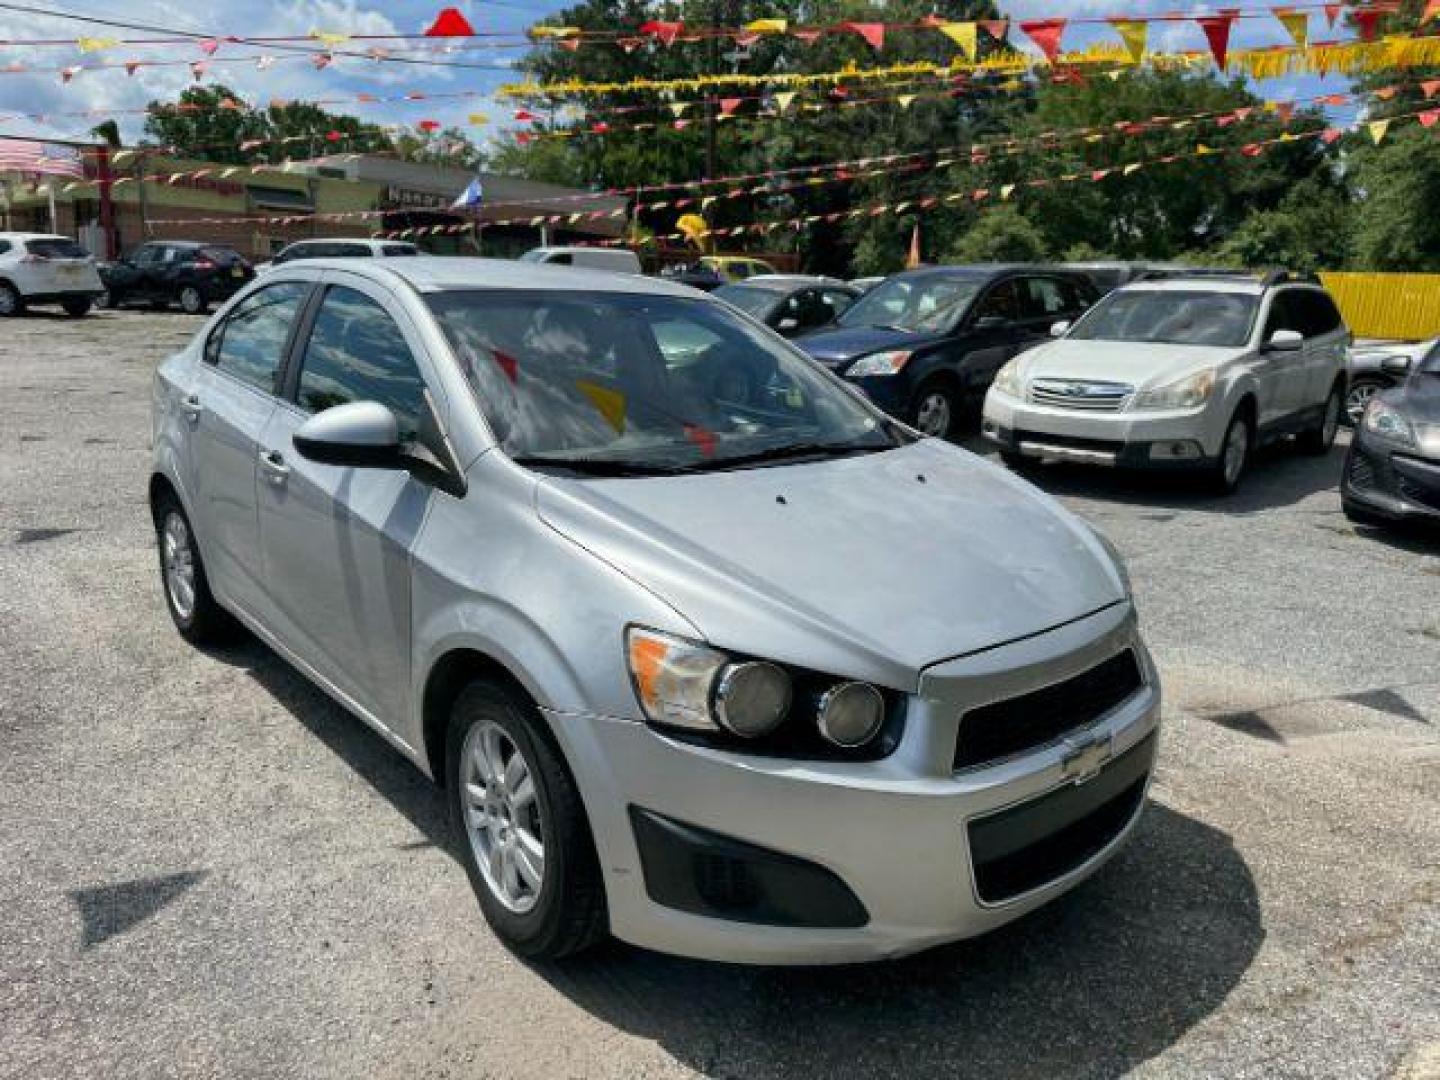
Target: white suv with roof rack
(1188, 373)
(40, 268)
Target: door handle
(273, 463)
(191, 407)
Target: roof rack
(1286, 277)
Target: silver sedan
(731, 668)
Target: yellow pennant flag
(1007, 190)
(679, 107)
(1114, 76)
(1201, 150)
(1132, 167)
(479, 119)
(121, 155)
(905, 100)
(327, 37)
(95, 44)
(1132, 32)
(1378, 128)
(608, 403)
(962, 34)
(783, 100)
(1298, 25)
(767, 26)
(554, 31)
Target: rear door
(227, 409)
(990, 334)
(1326, 339)
(1044, 301)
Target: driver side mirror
(361, 434)
(1060, 329)
(1285, 341)
(1397, 365)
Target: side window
(1283, 315)
(250, 343)
(357, 353)
(561, 258)
(145, 255)
(1042, 298)
(4, 246)
(1318, 313)
(1001, 302)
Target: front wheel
(527, 850)
(10, 301)
(1225, 473)
(77, 309)
(935, 410)
(192, 301)
(1321, 437)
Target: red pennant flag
(809, 37)
(570, 44)
(1332, 12)
(334, 136)
(208, 46)
(428, 125)
(1430, 86)
(1330, 135)
(132, 66)
(450, 23)
(364, 97)
(996, 28)
(1429, 118)
(525, 116)
(629, 44)
(522, 138)
(322, 60)
(729, 105)
(874, 33)
(1226, 120)
(663, 32)
(1432, 11)
(1217, 32)
(1252, 149)
(600, 128)
(1285, 110)
(508, 364)
(1099, 174)
(1046, 34)
(69, 73)
(680, 125)
(1366, 22)
(197, 68)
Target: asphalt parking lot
(208, 869)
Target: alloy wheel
(503, 816)
(9, 302)
(178, 559)
(191, 302)
(1357, 399)
(932, 415)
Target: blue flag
(471, 198)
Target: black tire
(1319, 439)
(11, 302)
(935, 409)
(159, 305)
(77, 309)
(1016, 461)
(568, 912)
(205, 622)
(1223, 478)
(192, 301)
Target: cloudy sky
(44, 92)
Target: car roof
(1238, 283)
(780, 282)
(985, 270)
(33, 236)
(434, 273)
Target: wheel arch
(448, 676)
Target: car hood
(843, 344)
(870, 567)
(1139, 364)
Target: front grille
(1079, 394)
(1005, 728)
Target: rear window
(222, 256)
(56, 249)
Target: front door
(335, 541)
(1283, 377)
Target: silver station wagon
(706, 651)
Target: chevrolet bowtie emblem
(1084, 760)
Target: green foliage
(1000, 235)
(1396, 226)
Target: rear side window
(399, 249)
(56, 249)
(561, 258)
(250, 343)
(4, 246)
(357, 353)
(223, 256)
(1284, 315)
(348, 251)
(1317, 312)
(1001, 302)
(1042, 298)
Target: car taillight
(204, 264)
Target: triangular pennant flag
(329, 37)
(525, 116)
(322, 60)
(1132, 167)
(1330, 135)
(729, 105)
(132, 66)
(450, 23)
(430, 126)
(1006, 190)
(1201, 150)
(209, 46)
(1253, 149)
(663, 32)
(1046, 34)
(198, 67)
(906, 100)
(1377, 129)
(783, 100)
(964, 34)
(1296, 23)
(1100, 174)
(1366, 21)
(562, 32)
(809, 37)
(1432, 11)
(767, 26)
(1430, 86)
(1428, 118)
(1133, 33)
(681, 125)
(996, 28)
(677, 108)
(95, 44)
(1332, 12)
(873, 33)
(609, 403)
(66, 74)
(1217, 33)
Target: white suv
(1188, 373)
(37, 268)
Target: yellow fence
(1388, 305)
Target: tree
(1000, 235)
(1395, 223)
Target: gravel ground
(208, 869)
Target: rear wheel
(1228, 468)
(77, 309)
(1321, 437)
(1359, 395)
(527, 849)
(192, 300)
(105, 301)
(10, 300)
(935, 410)
(194, 610)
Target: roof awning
(272, 198)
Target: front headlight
(1187, 393)
(880, 363)
(1007, 380)
(690, 688)
(1386, 422)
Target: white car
(349, 248)
(616, 260)
(1185, 373)
(39, 268)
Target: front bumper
(901, 834)
(1390, 482)
(1179, 439)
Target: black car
(1392, 472)
(790, 304)
(926, 344)
(185, 272)
(696, 275)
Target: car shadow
(1279, 475)
(1095, 983)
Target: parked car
(790, 305)
(736, 267)
(694, 274)
(925, 344)
(618, 260)
(1392, 471)
(1187, 373)
(656, 646)
(1368, 373)
(352, 248)
(1109, 274)
(38, 269)
(185, 272)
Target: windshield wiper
(599, 466)
(791, 451)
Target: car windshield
(1170, 317)
(604, 382)
(751, 299)
(932, 302)
(56, 249)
